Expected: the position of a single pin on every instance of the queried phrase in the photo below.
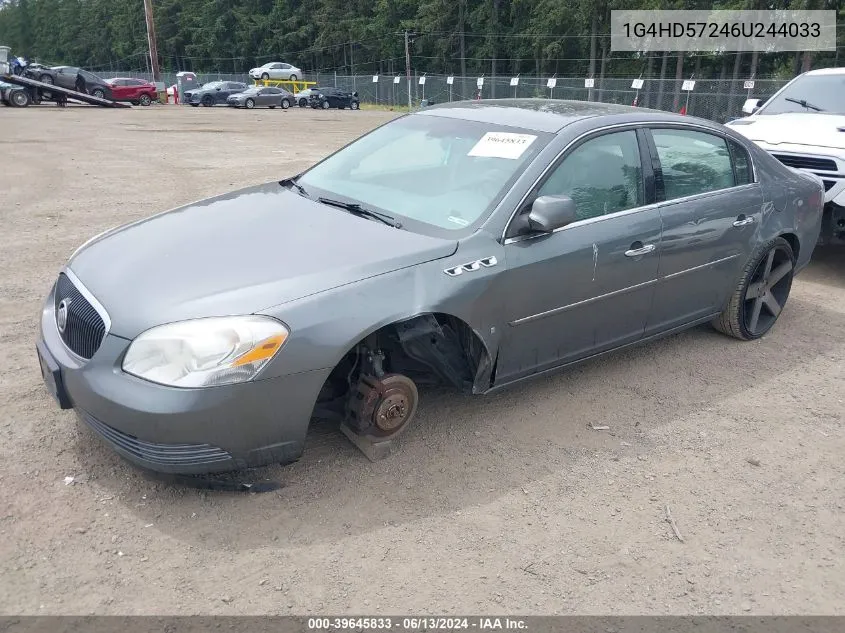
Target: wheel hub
(384, 407)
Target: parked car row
(240, 95)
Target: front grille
(84, 327)
(807, 162)
(158, 454)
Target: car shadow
(469, 450)
(827, 267)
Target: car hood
(238, 253)
(795, 128)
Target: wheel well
(431, 348)
(793, 242)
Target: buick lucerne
(475, 244)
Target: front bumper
(172, 430)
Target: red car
(136, 91)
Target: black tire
(19, 98)
(326, 105)
(303, 102)
(250, 104)
(46, 79)
(285, 104)
(99, 93)
(354, 105)
(293, 78)
(195, 105)
(265, 76)
(207, 101)
(145, 100)
(749, 314)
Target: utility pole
(151, 39)
(408, 68)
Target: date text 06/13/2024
(417, 623)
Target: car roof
(827, 71)
(541, 115)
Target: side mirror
(549, 213)
(217, 88)
(751, 106)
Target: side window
(742, 164)
(604, 175)
(692, 162)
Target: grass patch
(384, 108)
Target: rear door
(270, 96)
(588, 286)
(135, 87)
(710, 206)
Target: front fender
(326, 326)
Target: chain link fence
(715, 99)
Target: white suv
(803, 126)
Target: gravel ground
(504, 504)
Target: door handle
(642, 250)
(743, 221)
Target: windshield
(212, 84)
(823, 94)
(443, 172)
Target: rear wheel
(285, 104)
(303, 102)
(250, 104)
(761, 294)
(145, 100)
(19, 98)
(293, 78)
(354, 105)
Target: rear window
(692, 162)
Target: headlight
(205, 352)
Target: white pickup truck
(803, 126)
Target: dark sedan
(334, 98)
(214, 93)
(258, 97)
(476, 244)
(72, 78)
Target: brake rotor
(396, 405)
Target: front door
(587, 287)
(711, 208)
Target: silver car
(475, 244)
(261, 97)
(276, 70)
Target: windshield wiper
(804, 104)
(357, 209)
(291, 182)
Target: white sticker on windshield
(458, 220)
(502, 145)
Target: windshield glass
(824, 94)
(440, 171)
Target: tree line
(462, 37)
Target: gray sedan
(475, 244)
(257, 97)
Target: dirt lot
(504, 504)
